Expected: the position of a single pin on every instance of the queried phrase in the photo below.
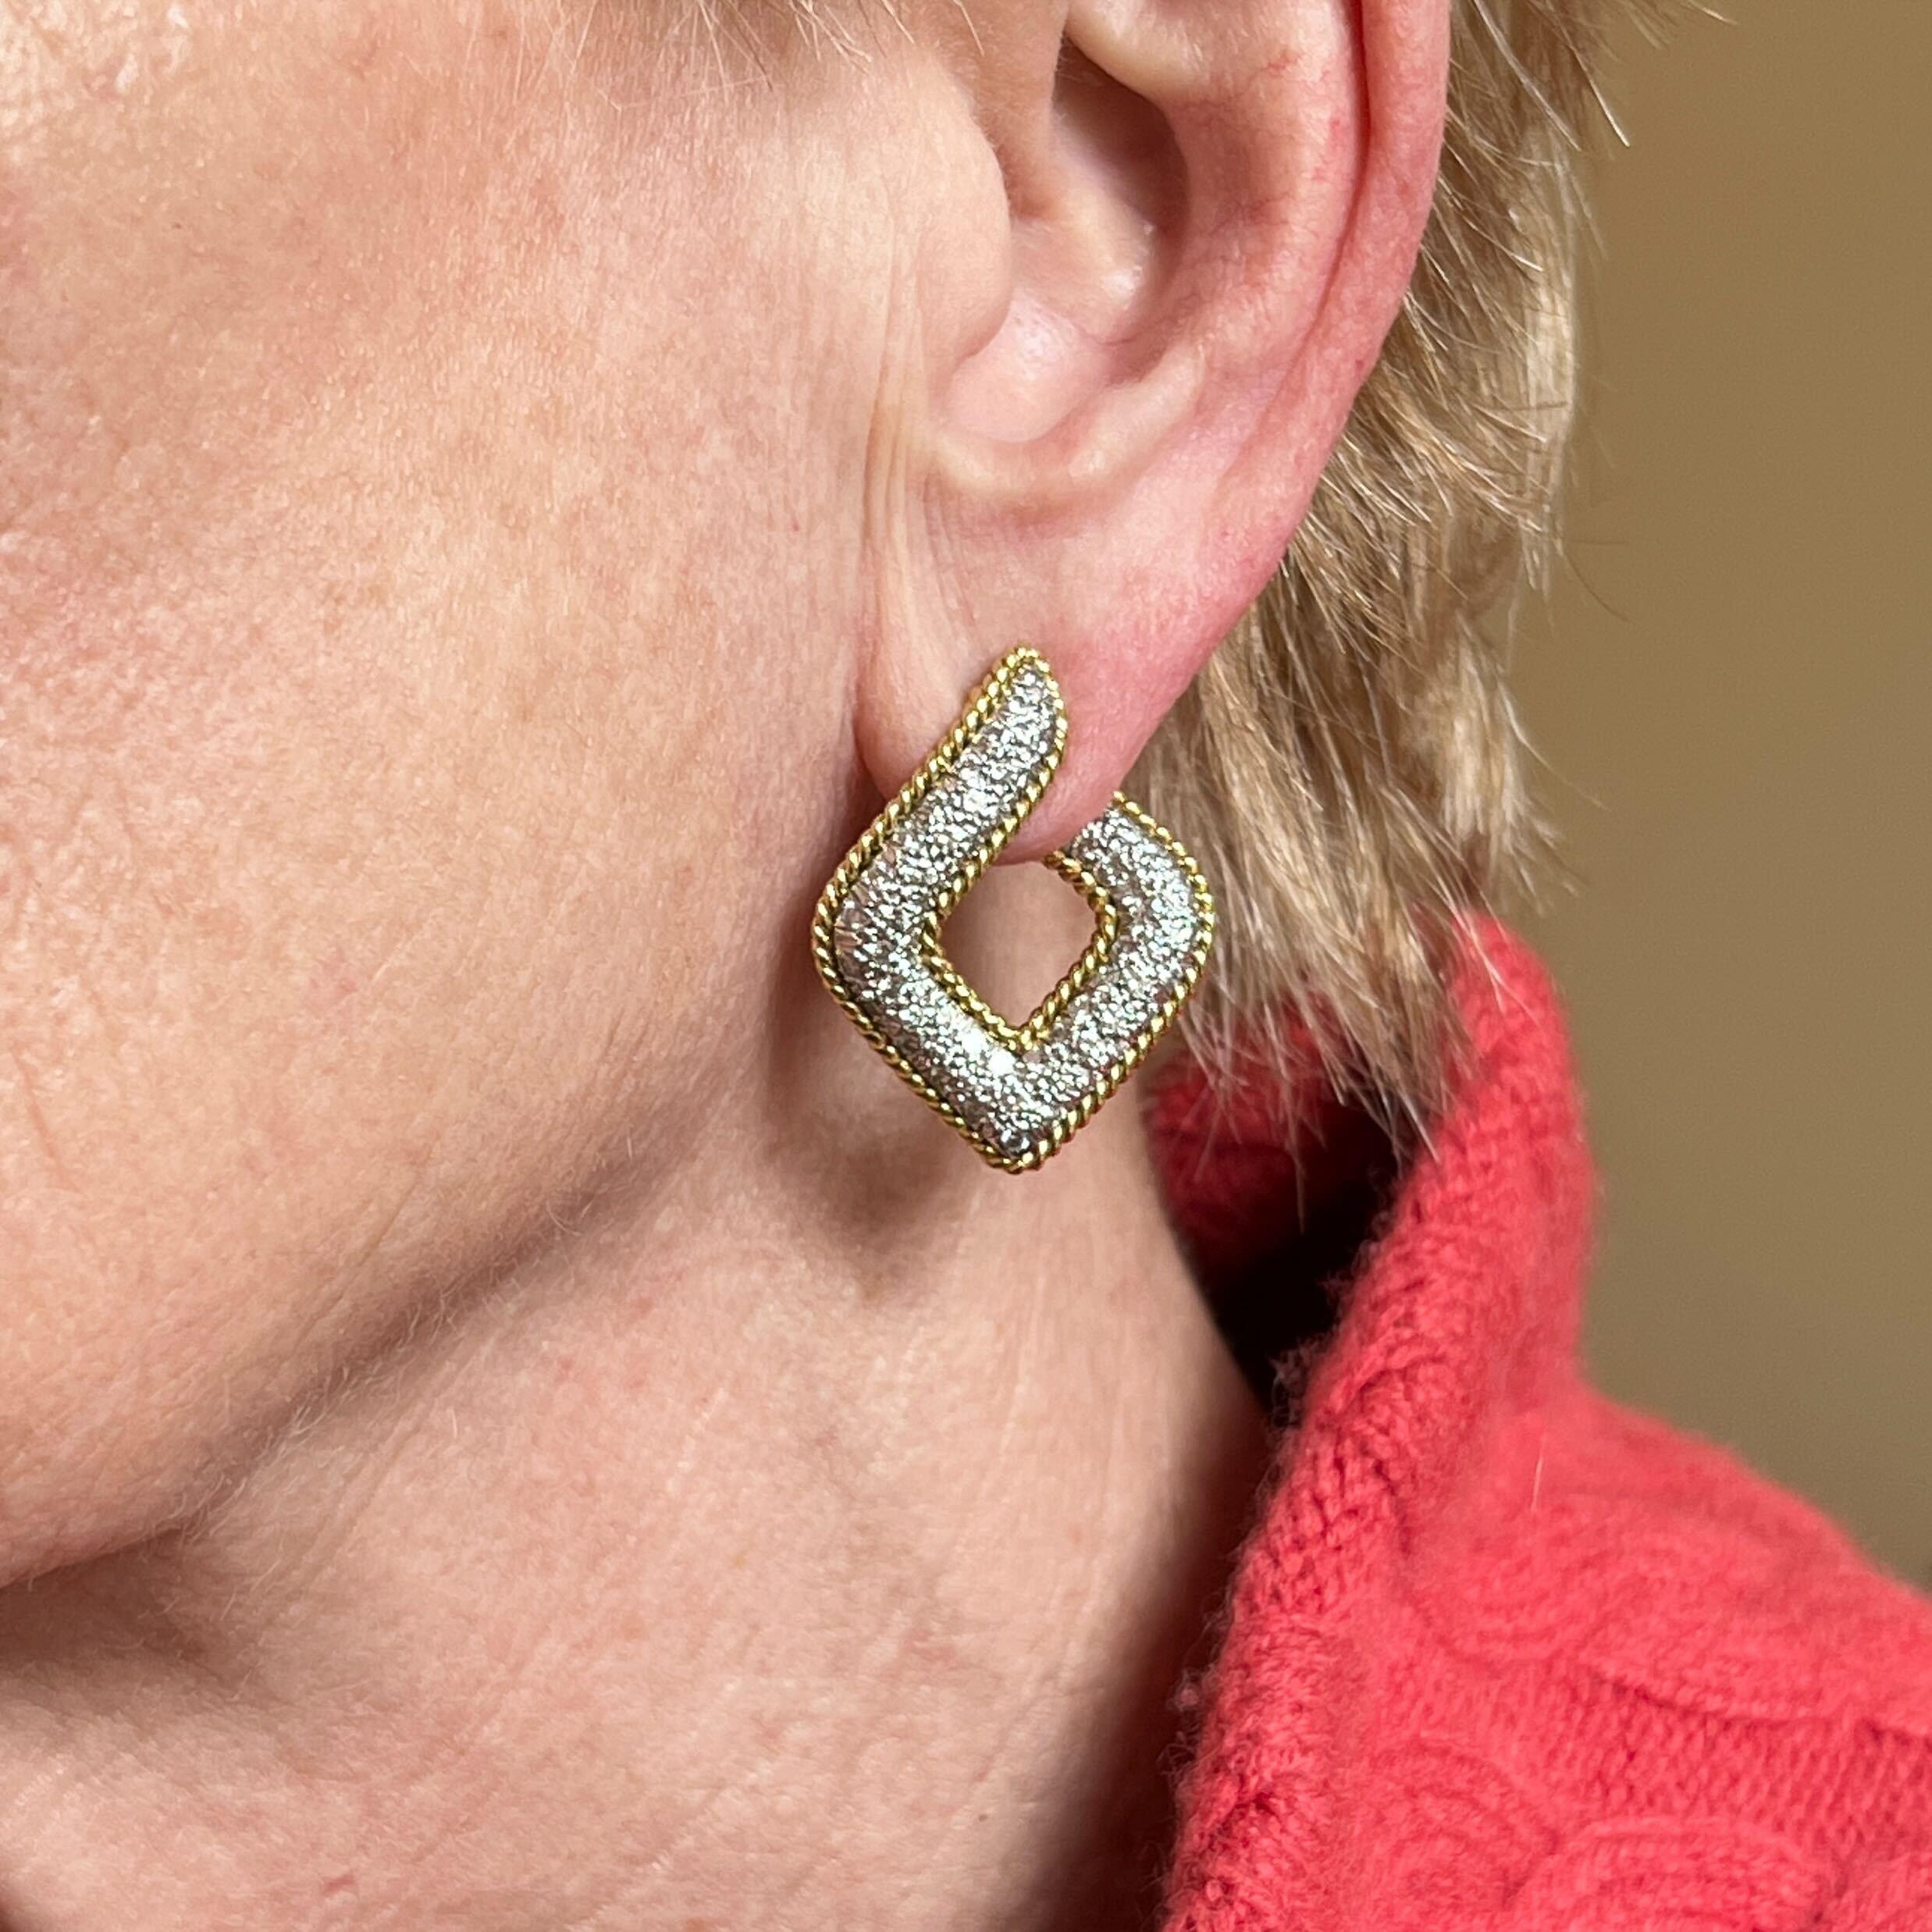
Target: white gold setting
(1017, 1093)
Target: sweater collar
(1462, 1304)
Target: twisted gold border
(980, 708)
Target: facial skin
(401, 689)
(491, 495)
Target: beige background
(1734, 692)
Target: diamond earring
(1017, 1093)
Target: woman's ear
(1207, 218)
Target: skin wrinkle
(47, 1146)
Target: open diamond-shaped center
(1037, 1025)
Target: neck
(770, 1549)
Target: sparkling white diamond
(1017, 1093)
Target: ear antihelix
(1156, 49)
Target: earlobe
(1212, 216)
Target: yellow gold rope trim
(980, 707)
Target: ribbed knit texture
(1500, 1653)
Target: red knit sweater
(1500, 1654)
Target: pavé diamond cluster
(1017, 1093)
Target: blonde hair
(1348, 765)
